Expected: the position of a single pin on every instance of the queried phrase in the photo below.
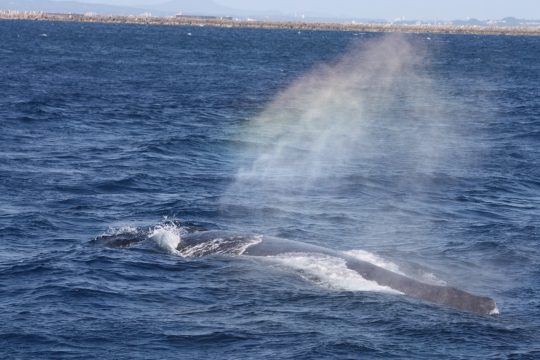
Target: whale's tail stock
(444, 295)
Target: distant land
(210, 8)
(167, 8)
(217, 21)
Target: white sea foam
(431, 278)
(203, 248)
(167, 237)
(121, 229)
(219, 246)
(374, 259)
(423, 276)
(329, 272)
(257, 239)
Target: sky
(379, 9)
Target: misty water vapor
(360, 127)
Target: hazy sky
(381, 9)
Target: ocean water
(419, 153)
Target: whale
(200, 242)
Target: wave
(327, 271)
(167, 237)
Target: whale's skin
(438, 294)
(255, 245)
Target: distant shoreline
(257, 24)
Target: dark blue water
(111, 129)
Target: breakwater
(240, 23)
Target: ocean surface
(420, 153)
